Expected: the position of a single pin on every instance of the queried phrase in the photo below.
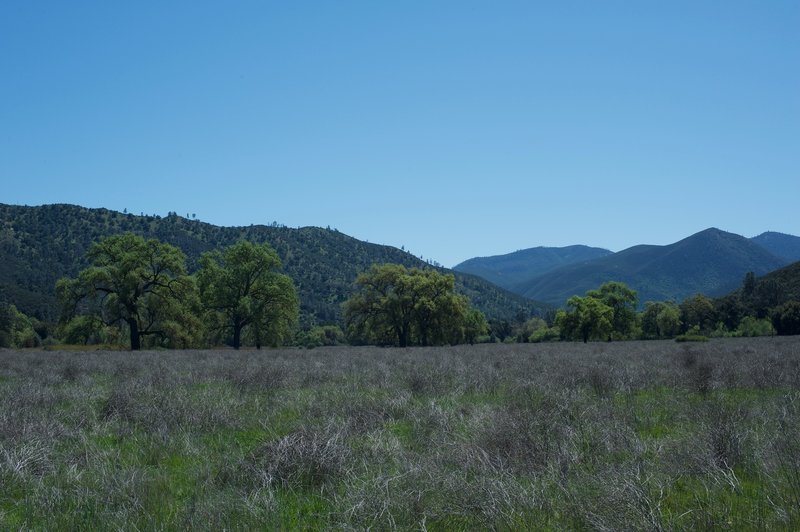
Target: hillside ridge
(39, 245)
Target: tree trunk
(402, 337)
(237, 336)
(136, 341)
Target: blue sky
(455, 129)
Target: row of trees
(139, 291)
(609, 313)
(143, 286)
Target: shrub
(548, 334)
(750, 326)
(691, 338)
(307, 458)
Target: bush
(321, 336)
(548, 334)
(691, 338)
(750, 326)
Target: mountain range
(39, 245)
(712, 262)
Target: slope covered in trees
(760, 297)
(39, 245)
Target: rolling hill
(712, 262)
(513, 269)
(39, 245)
(786, 247)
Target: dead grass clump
(304, 459)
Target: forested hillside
(39, 245)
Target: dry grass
(634, 435)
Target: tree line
(138, 291)
(609, 313)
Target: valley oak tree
(394, 305)
(661, 319)
(132, 281)
(587, 318)
(603, 314)
(244, 291)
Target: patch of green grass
(656, 412)
(694, 503)
(404, 430)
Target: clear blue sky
(455, 129)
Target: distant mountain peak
(782, 245)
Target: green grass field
(606, 436)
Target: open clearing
(636, 435)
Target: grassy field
(633, 435)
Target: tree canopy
(140, 283)
(606, 313)
(395, 305)
(244, 291)
(661, 319)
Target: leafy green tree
(661, 319)
(587, 318)
(786, 318)
(669, 321)
(697, 312)
(401, 306)
(244, 291)
(17, 329)
(750, 326)
(527, 328)
(730, 310)
(132, 281)
(622, 301)
(475, 325)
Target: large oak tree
(399, 306)
(244, 290)
(140, 283)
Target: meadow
(652, 435)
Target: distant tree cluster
(760, 308)
(395, 305)
(141, 286)
(18, 330)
